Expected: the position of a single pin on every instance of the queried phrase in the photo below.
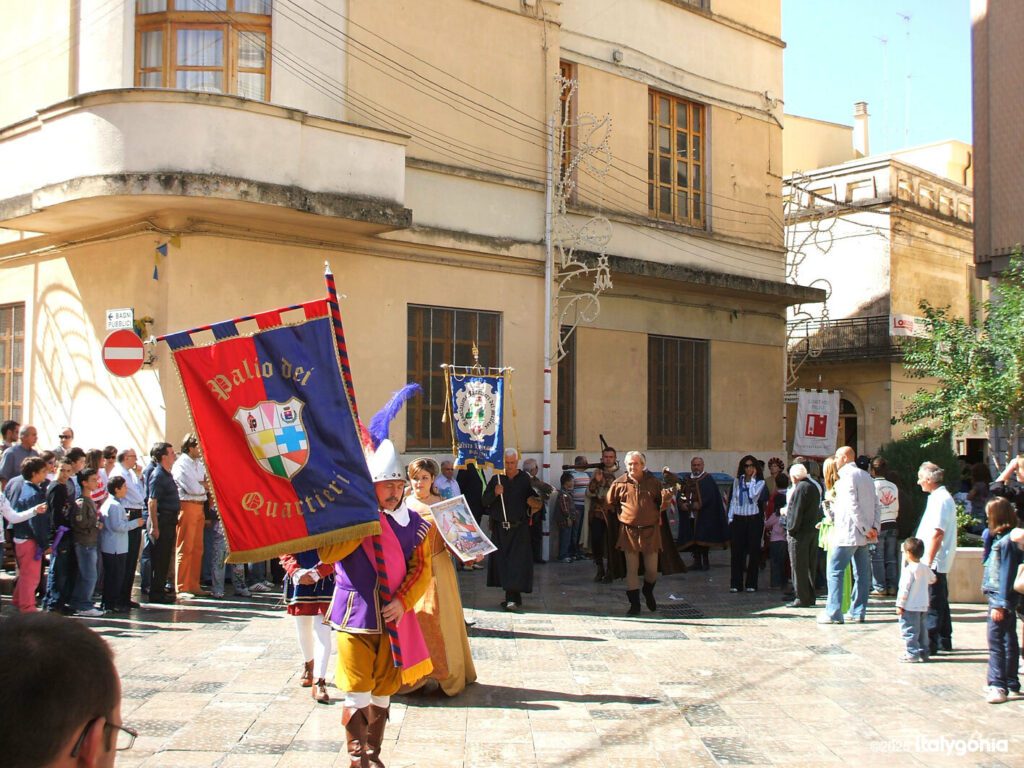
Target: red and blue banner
(276, 418)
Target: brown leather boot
(307, 674)
(379, 717)
(320, 695)
(355, 722)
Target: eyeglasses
(124, 736)
(65, 437)
(747, 466)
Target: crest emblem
(276, 436)
(476, 410)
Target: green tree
(978, 363)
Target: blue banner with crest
(477, 416)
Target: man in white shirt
(189, 475)
(937, 530)
(446, 484)
(857, 520)
(134, 503)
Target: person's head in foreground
(60, 696)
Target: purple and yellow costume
(365, 659)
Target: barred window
(12, 361)
(216, 46)
(675, 159)
(439, 335)
(677, 392)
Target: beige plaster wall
(625, 187)
(765, 17)
(930, 261)
(496, 49)
(808, 144)
(746, 398)
(745, 162)
(35, 70)
(611, 395)
(706, 58)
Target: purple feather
(380, 424)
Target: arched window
(216, 46)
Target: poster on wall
(817, 423)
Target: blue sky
(835, 56)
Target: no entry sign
(123, 353)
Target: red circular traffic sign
(123, 353)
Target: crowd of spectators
(86, 523)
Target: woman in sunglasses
(746, 523)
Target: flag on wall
(817, 423)
(477, 406)
(276, 419)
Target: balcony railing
(855, 338)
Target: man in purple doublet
(377, 582)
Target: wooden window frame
(11, 408)
(566, 404)
(233, 24)
(693, 195)
(433, 339)
(678, 392)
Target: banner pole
(549, 277)
(339, 335)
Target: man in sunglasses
(76, 724)
(66, 437)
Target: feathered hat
(381, 456)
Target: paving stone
(712, 680)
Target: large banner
(817, 423)
(278, 432)
(478, 425)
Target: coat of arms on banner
(477, 410)
(276, 435)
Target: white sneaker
(95, 613)
(243, 592)
(259, 586)
(995, 695)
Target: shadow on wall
(70, 385)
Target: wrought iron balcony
(855, 338)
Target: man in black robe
(701, 501)
(510, 500)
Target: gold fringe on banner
(339, 536)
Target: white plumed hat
(384, 464)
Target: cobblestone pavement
(711, 679)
